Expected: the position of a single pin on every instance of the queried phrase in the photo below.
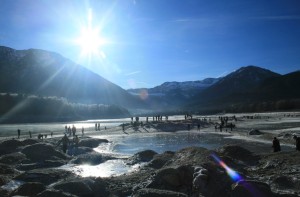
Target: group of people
(72, 131)
(276, 144)
(66, 142)
(39, 136)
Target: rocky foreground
(193, 171)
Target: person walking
(65, 142)
(19, 133)
(276, 145)
(297, 139)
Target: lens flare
(232, 174)
(144, 94)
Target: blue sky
(148, 42)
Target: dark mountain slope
(236, 87)
(49, 74)
(281, 87)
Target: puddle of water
(109, 168)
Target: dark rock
(100, 187)
(168, 179)
(239, 153)
(284, 182)
(148, 192)
(13, 158)
(91, 142)
(9, 146)
(41, 152)
(91, 159)
(4, 193)
(30, 142)
(79, 187)
(160, 160)
(54, 193)
(143, 156)
(189, 156)
(249, 188)
(4, 180)
(6, 169)
(255, 132)
(29, 189)
(45, 176)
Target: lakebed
(162, 158)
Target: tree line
(33, 108)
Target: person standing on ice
(276, 145)
(297, 139)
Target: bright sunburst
(90, 39)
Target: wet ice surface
(109, 168)
(123, 146)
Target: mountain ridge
(40, 72)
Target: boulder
(239, 153)
(4, 193)
(42, 151)
(143, 156)
(148, 192)
(255, 132)
(100, 187)
(29, 189)
(9, 146)
(45, 176)
(54, 193)
(284, 182)
(6, 169)
(30, 142)
(168, 179)
(160, 160)
(78, 187)
(91, 142)
(250, 188)
(13, 158)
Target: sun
(90, 39)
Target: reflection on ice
(12, 185)
(109, 168)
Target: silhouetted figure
(198, 126)
(29, 134)
(82, 131)
(65, 141)
(40, 136)
(73, 130)
(19, 133)
(276, 145)
(123, 127)
(98, 126)
(297, 139)
(51, 134)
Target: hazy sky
(143, 43)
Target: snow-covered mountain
(187, 88)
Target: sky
(144, 43)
